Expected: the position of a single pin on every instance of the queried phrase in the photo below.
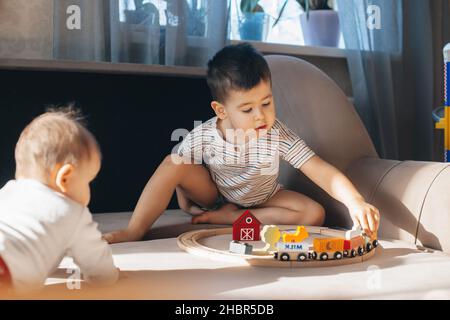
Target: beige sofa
(413, 198)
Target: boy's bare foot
(186, 204)
(227, 214)
(195, 210)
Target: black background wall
(132, 116)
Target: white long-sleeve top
(39, 226)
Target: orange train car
(329, 248)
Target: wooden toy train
(355, 242)
(297, 244)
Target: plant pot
(253, 26)
(321, 29)
(140, 43)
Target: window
(288, 30)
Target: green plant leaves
(280, 14)
(251, 6)
(313, 5)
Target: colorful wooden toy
(240, 248)
(334, 247)
(444, 122)
(296, 237)
(300, 246)
(270, 235)
(246, 227)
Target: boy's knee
(173, 160)
(317, 214)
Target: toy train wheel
(346, 253)
(338, 255)
(375, 243)
(313, 255)
(284, 257)
(302, 257)
(324, 256)
(353, 253)
(369, 247)
(360, 251)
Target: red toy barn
(246, 227)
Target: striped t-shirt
(245, 174)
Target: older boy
(241, 147)
(43, 212)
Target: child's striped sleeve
(292, 148)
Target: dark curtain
(397, 72)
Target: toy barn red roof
(244, 215)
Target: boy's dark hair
(236, 67)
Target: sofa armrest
(413, 198)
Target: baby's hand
(117, 236)
(123, 274)
(364, 215)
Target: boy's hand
(364, 215)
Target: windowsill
(297, 50)
(162, 70)
(101, 67)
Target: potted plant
(143, 14)
(197, 20)
(141, 32)
(253, 24)
(320, 23)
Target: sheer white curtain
(170, 32)
(26, 29)
(371, 55)
(79, 30)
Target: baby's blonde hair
(55, 137)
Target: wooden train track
(188, 241)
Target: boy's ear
(219, 109)
(63, 175)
